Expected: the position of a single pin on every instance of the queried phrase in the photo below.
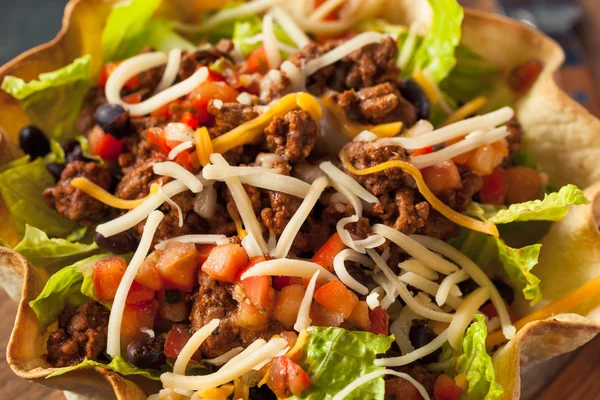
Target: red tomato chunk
(107, 276)
(177, 337)
(287, 378)
(224, 262)
(177, 265)
(336, 297)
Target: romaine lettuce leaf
(244, 31)
(57, 153)
(53, 102)
(15, 163)
(52, 254)
(22, 188)
(477, 364)
(334, 357)
(118, 364)
(517, 264)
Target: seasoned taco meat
(81, 334)
(397, 388)
(229, 116)
(74, 204)
(292, 136)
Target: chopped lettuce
(517, 264)
(53, 102)
(334, 357)
(85, 149)
(245, 31)
(118, 364)
(477, 364)
(57, 153)
(15, 163)
(51, 254)
(21, 188)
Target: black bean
(75, 155)
(33, 141)
(421, 335)
(147, 352)
(121, 243)
(55, 169)
(69, 145)
(113, 119)
(506, 292)
(467, 286)
(262, 393)
(414, 94)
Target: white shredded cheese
(400, 328)
(222, 359)
(192, 345)
(365, 136)
(270, 42)
(414, 355)
(303, 320)
(181, 147)
(464, 315)
(176, 171)
(429, 287)
(478, 276)
(172, 204)
(257, 344)
(373, 298)
(171, 70)
(138, 214)
(220, 172)
(370, 242)
(251, 246)
(295, 75)
(447, 283)
(198, 239)
(288, 267)
(113, 344)
(128, 69)
(376, 374)
(343, 274)
(420, 128)
(340, 177)
(228, 372)
(388, 288)
(418, 268)
(290, 27)
(325, 9)
(286, 239)
(148, 331)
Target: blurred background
(575, 24)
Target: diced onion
(113, 344)
(303, 320)
(171, 70)
(293, 226)
(464, 315)
(270, 42)
(244, 98)
(181, 147)
(288, 267)
(176, 171)
(193, 344)
(337, 175)
(373, 298)
(428, 287)
(178, 132)
(343, 274)
(447, 283)
(289, 27)
(198, 239)
(418, 268)
(222, 359)
(205, 203)
(365, 136)
(414, 355)
(376, 374)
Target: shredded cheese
(204, 147)
(228, 372)
(198, 239)
(467, 109)
(464, 315)
(300, 341)
(476, 273)
(442, 365)
(370, 242)
(138, 214)
(303, 320)
(174, 205)
(288, 267)
(181, 147)
(373, 298)
(295, 223)
(462, 220)
(568, 302)
(176, 171)
(257, 344)
(409, 46)
(91, 189)
(290, 27)
(400, 328)
(270, 42)
(326, 8)
(113, 344)
(376, 374)
(339, 176)
(343, 274)
(193, 344)
(353, 129)
(418, 268)
(429, 287)
(171, 70)
(222, 359)
(414, 355)
(447, 283)
(251, 245)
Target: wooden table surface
(574, 377)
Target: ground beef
(459, 199)
(191, 61)
(71, 202)
(515, 139)
(81, 334)
(312, 236)
(292, 136)
(397, 388)
(136, 183)
(378, 104)
(439, 227)
(368, 154)
(402, 211)
(229, 116)
(281, 209)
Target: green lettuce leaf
(517, 264)
(553, 207)
(21, 188)
(52, 254)
(53, 102)
(15, 163)
(57, 153)
(334, 357)
(85, 149)
(477, 364)
(118, 364)
(243, 31)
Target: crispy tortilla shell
(561, 134)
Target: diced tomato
(177, 265)
(256, 62)
(224, 262)
(446, 389)
(133, 98)
(380, 320)
(107, 276)
(337, 297)
(442, 177)
(523, 76)
(164, 111)
(279, 282)
(177, 338)
(207, 91)
(325, 255)
(139, 293)
(172, 305)
(214, 76)
(360, 316)
(423, 151)
(108, 69)
(287, 378)
(250, 318)
(287, 304)
(494, 187)
(156, 138)
(485, 158)
(136, 317)
(188, 119)
(148, 274)
(104, 145)
(322, 316)
(259, 291)
(523, 184)
(489, 309)
(203, 252)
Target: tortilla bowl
(560, 133)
